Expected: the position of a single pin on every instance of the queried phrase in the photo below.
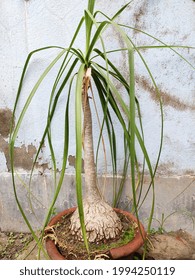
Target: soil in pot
(72, 249)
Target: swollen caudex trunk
(101, 221)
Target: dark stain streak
(138, 15)
(72, 159)
(5, 122)
(167, 99)
(23, 156)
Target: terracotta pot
(114, 253)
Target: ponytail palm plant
(82, 72)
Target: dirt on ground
(12, 244)
(177, 245)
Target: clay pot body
(114, 253)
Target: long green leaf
(109, 125)
(117, 14)
(161, 134)
(49, 134)
(65, 154)
(64, 159)
(31, 95)
(126, 111)
(95, 38)
(59, 75)
(158, 40)
(53, 108)
(89, 23)
(24, 72)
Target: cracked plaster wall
(28, 25)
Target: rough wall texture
(27, 25)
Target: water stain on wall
(189, 172)
(166, 169)
(5, 122)
(72, 159)
(138, 15)
(167, 99)
(23, 156)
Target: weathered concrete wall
(175, 199)
(27, 25)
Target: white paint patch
(3, 167)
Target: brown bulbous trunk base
(101, 222)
